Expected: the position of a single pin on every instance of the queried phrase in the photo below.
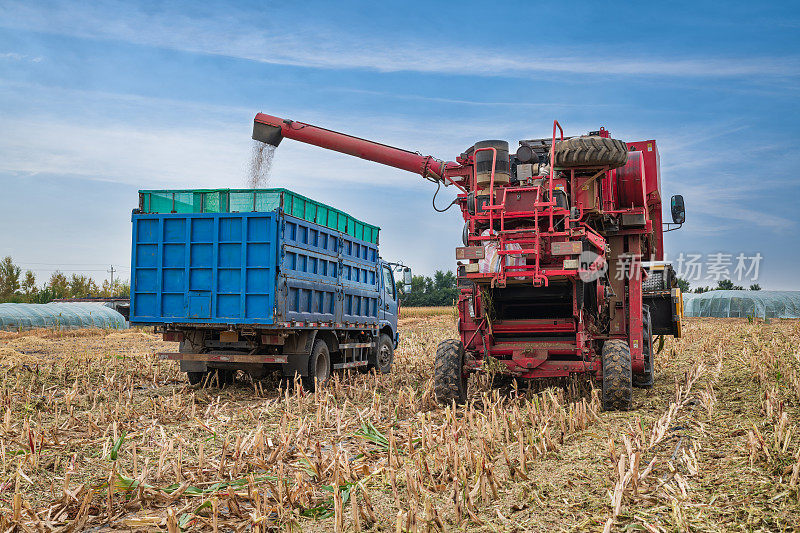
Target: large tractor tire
(319, 366)
(617, 376)
(383, 355)
(591, 152)
(450, 383)
(645, 380)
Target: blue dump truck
(260, 280)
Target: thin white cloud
(477, 103)
(235, 34)
(205, 156)
(150, 149)
(150, 141)
(14, 56)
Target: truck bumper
(223, 358)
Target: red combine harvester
(562, 267)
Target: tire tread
(449, 381)
(617, 376)
(591, 151)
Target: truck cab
(389, 302)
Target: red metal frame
(578, 350)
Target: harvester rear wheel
(450, 383)
(617, 376)
(645, 379)
(591, 151)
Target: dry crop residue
(98, 432)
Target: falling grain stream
(261, 156)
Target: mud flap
(298, 349)
(193, 366)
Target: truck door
(388, 298)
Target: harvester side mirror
(678, 209)
(407, 280)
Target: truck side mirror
(678, 209)
(407, 280)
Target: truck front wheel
(319, 365)
(617, 376)
(450, 383)
(381, 359)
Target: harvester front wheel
(450, 383)
(591, 151)
(617, 376)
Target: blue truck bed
(258, 268)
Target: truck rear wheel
(591, 151)
(381, 359)
(646, 378)
(450, 383)
(225, 376)
(319, 365)
(617, 376)
(195, 378)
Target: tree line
(722, 285)
(441, 289)
(22, 288)
(429, 291)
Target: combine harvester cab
(559, 240)
(260, 280)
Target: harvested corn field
(97, 432)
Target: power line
(70, 264)
(72, 270)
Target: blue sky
(99, 101)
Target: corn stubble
(97, 432)
(725, 452)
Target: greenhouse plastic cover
(73, 315)
(762, 304)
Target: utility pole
(111, 287)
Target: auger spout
(272, 130)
